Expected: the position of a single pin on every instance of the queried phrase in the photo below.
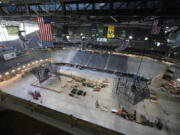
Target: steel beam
(125, 8)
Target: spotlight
(68, 37)
(28, 65)
(168, 40)
(24, 66)
(81, 34)
(146, 38)
(13, 71)
(41, 60)
(130, 37)
(7, 73)
(19, 69)
(158, 44)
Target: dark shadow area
(15, 123)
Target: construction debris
(138, 118)
(36, 95)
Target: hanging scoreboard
(110, 31)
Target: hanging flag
(156, 28)
(12, 30)
(110, 31)
(45, 28)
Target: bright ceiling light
(68, 37)
(13, 71)
(0, 76)
(146, 38)
(81, 34)
(7, 73)
(158, 44)
(130, 37)
(168, 40)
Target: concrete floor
(84, 107)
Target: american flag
(156, 27)
(45, 28)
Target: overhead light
(41, 60)
(28, 65)
(168, 40)
(7, 73)
(19, 69)
(0, 76)
(13, 71)
(167, 27)
(67, 36)
(146, 38)
(101, 4)
(158, 43)
(81, 34)
(24, 66)
(130, 37)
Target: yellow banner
(110, 32)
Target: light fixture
(28, 65)
(0, 76)
(41, 60)
(24, 66)
(158, 43)
(81, 34)
(13, 71)
(68, 37)
(146, 38)
(19, 69)
(130, 37)
(168, 40)
(7, 73)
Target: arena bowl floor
(84, 108)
